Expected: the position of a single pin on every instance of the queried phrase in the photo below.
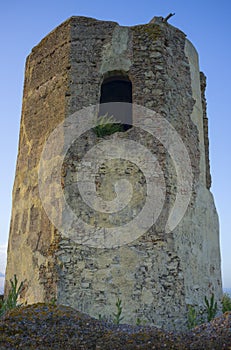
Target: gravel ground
(42, 326)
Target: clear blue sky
(207, 24)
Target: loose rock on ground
(45, 326)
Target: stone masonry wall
(32, 240)
(157, 275)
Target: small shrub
(53, 302)
(226, 302)
(140, 322)
(104, 318)
(117, 315)
(210, 308)
(12, 300)
(192, 317)
(207, 313)
(107, 126)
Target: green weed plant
(107, 125)
(11, 301)
(117, 316)
(226, 302)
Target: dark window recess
(117, 89)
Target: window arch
(117, 88)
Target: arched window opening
(117, 88)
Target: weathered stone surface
(205, 123)
(158, 274)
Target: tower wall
(159, 273)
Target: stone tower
(173, 262)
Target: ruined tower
(152, 71)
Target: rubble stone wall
(157, 275)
